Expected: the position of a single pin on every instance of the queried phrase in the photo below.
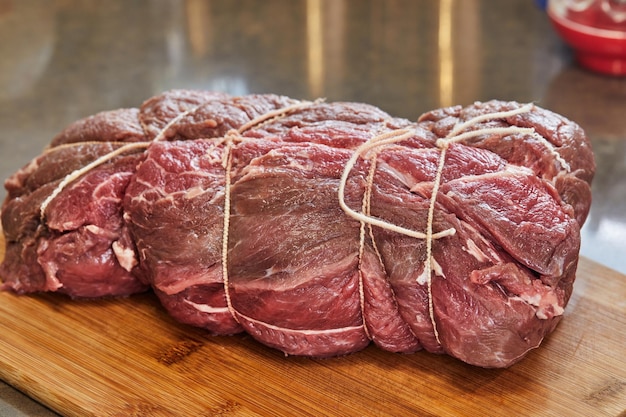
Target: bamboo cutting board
(126, 357)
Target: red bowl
(596, 47)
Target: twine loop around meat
(458, 133)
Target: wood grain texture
(127, 357)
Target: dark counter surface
(66, 59)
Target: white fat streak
(205, 308)
(473, 249)
(125, 256)
(102, 186)
(96, 230)
(535, 300)
(437, 269)
(558, 311)
(553, 151)
(304, 332)
(193, 192)
(492, 255)
(424, 277)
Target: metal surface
(66, 59)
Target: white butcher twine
(374, 146)
(232, 137)
(124, 148)
(73, 176)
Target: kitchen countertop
(65, 59)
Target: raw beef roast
(315, 227)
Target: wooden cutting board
(126, 357)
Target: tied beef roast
(315, 227)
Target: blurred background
(61, 60)
(65, 59)
(71, 58)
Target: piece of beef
(83, 248)
(294, 270)
(218, 116)
(176, 180)
(291, 250)
(157, 112)
(523, 150)
(232, 216)
(108, 126)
